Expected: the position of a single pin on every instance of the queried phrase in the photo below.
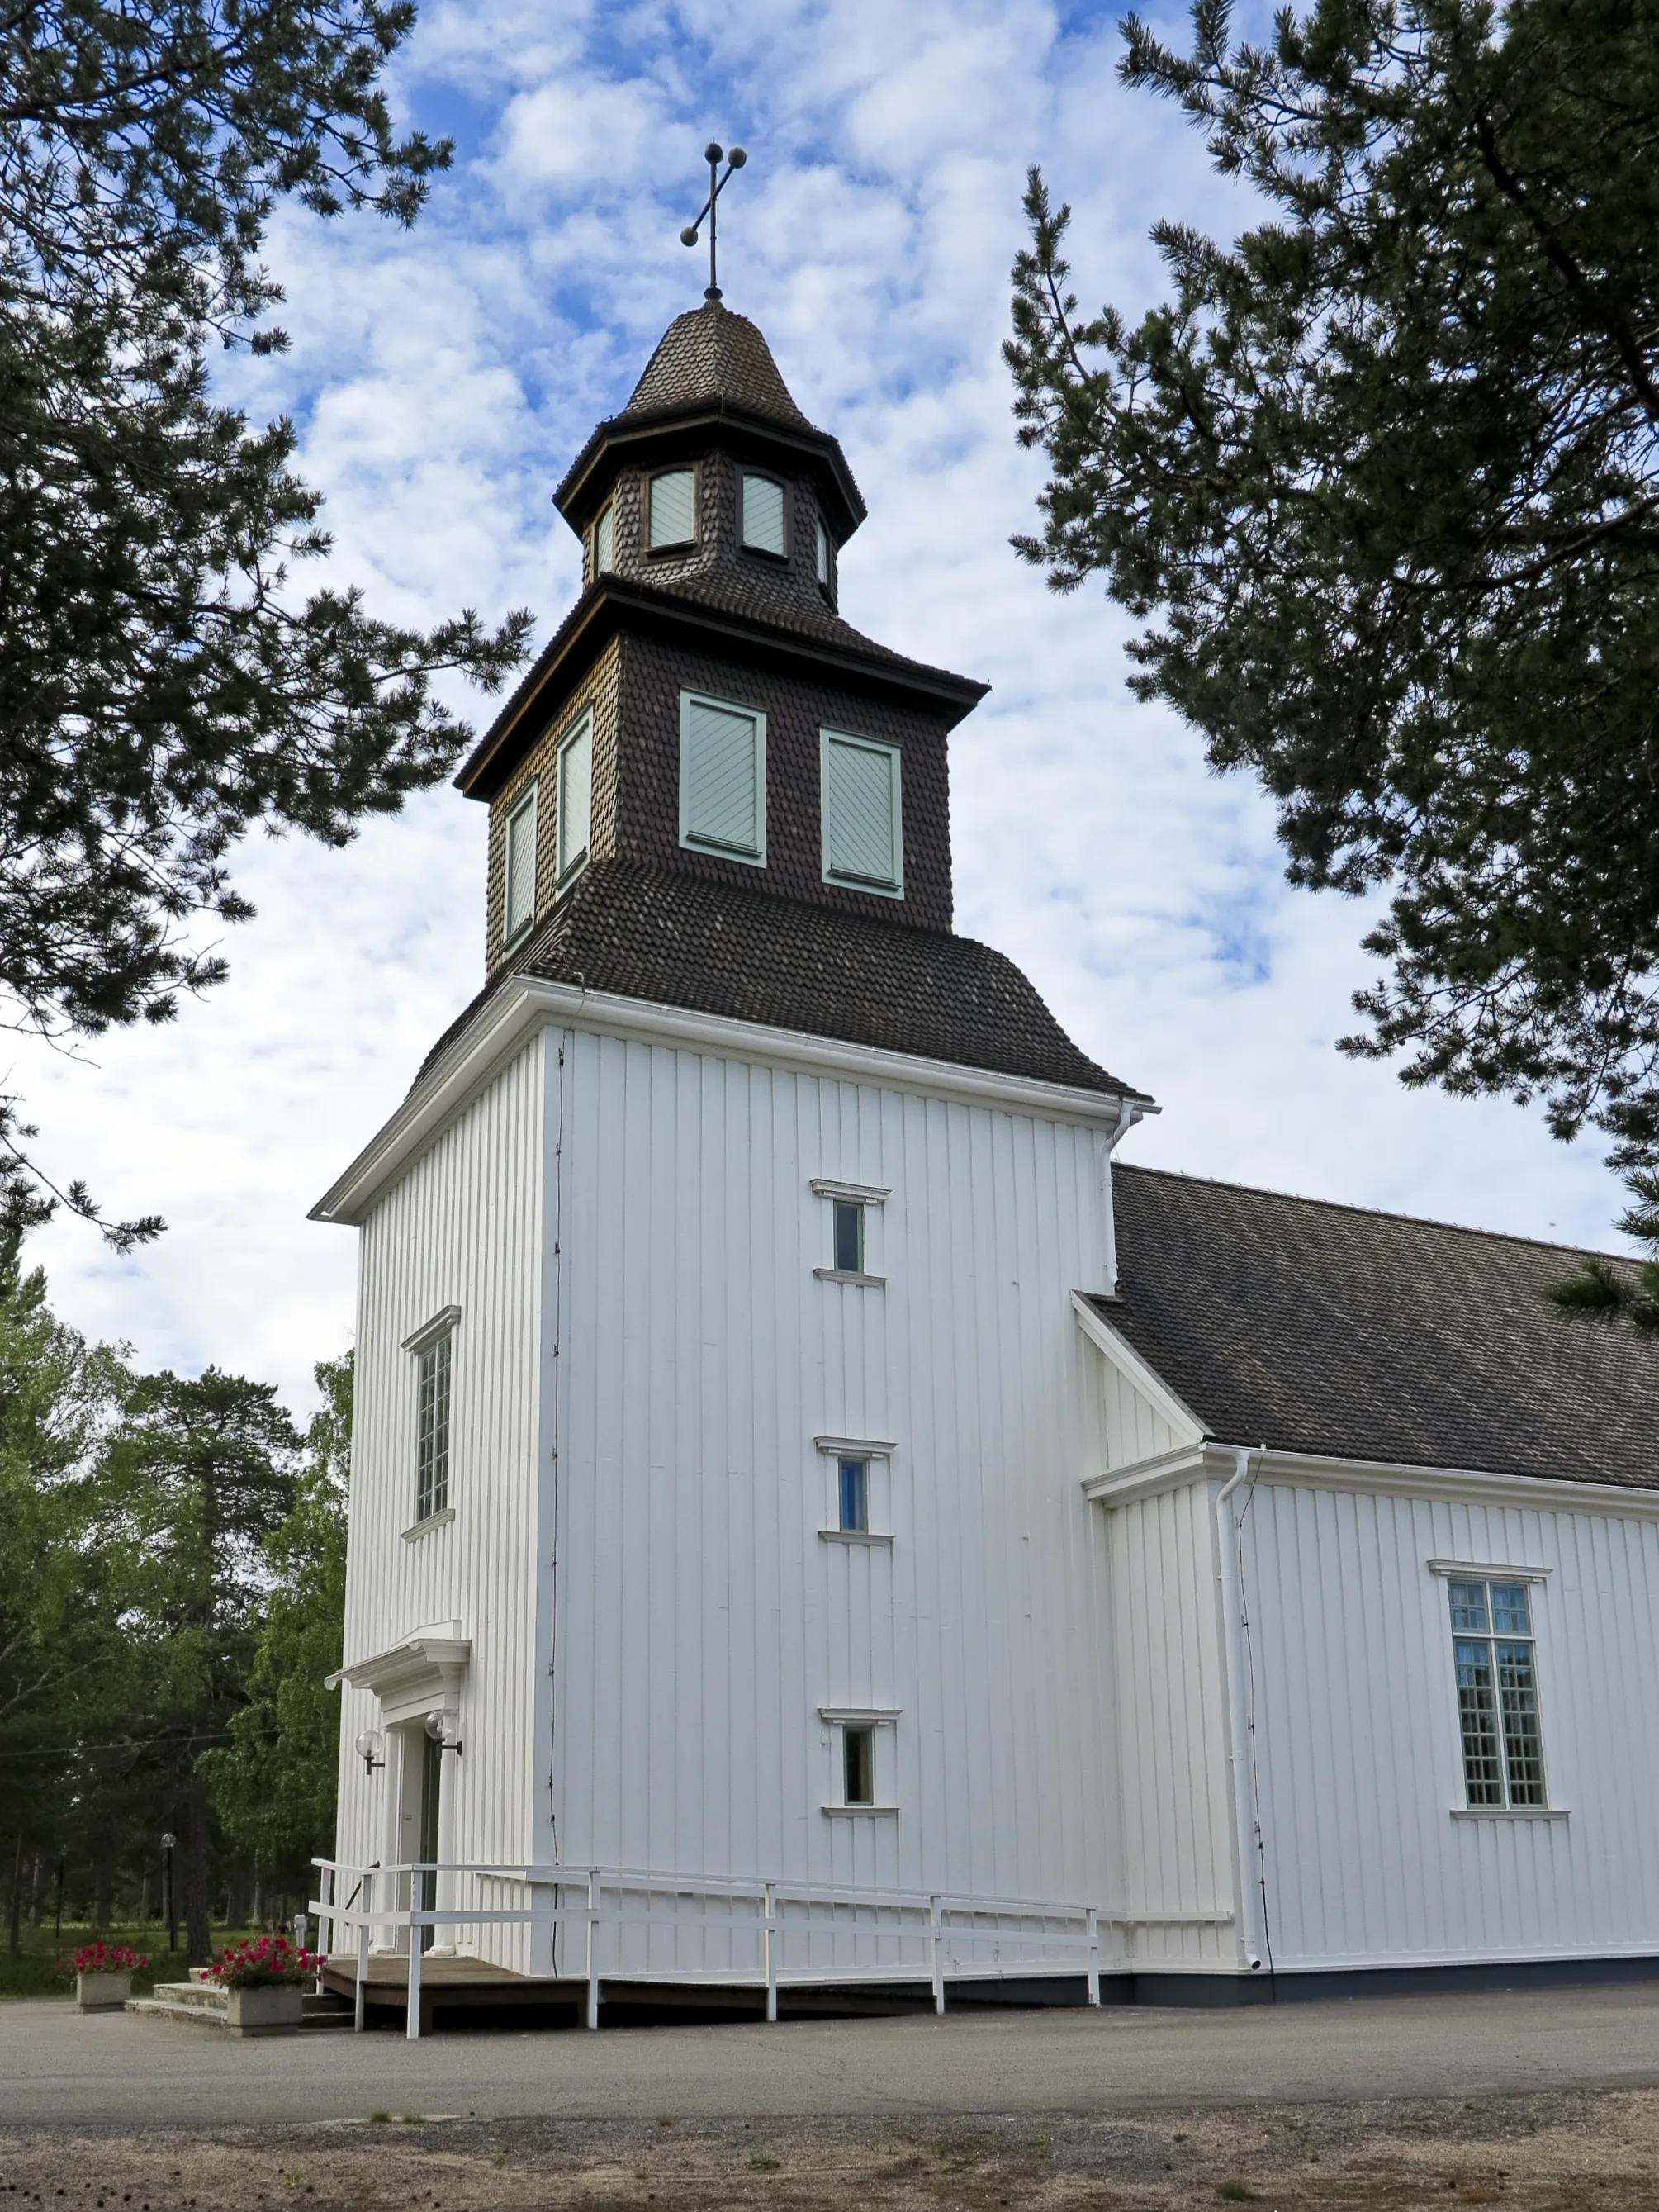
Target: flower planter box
(103, 1992)
(275, 2009)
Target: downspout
(1247, 1833)
(1128, 1113)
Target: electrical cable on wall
(1239, 1519)
(553, 1651)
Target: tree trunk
(15, 1930)
(199, 1924)
(101, 1896)
(34, 1893)
(256, 1915)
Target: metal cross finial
(713, 153)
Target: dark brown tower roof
(712, 355)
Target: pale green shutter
(673, 507)
(722, 795)
(762, 514)
(861, 809)
(575, 798)
(520, 865)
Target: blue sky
(443, 378)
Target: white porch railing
(639, 1926)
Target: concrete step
(204, 2003)
(195, 1995)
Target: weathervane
(713, 153)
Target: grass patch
(1235, 2192)
(28, 1971)
(763, 2162)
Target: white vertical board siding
(1168, 1693)
(702, 1621)
(1359, 1756)
(462, 1226)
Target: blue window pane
(1477, 1714)
(849, 1237)
(1509, 1609)
(856, 1494)
(1468, 1606)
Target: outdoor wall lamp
(371, 1749)
(445, 1730)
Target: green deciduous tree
(1382, 479)
(274, 1786)
(164, 684)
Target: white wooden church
(821, 1525)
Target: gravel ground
(1549, 2151)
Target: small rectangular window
(823, 555)
(762, 514)
(673, 509)
(520, 905)
(849, 1237)
(863, 830)
(431, 1429)
(575, 796)
(1496, 1665)
(605, 540)
(858, 1763)
(723, 778)
(855, 1496)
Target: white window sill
(839, 1275)
(852, 1536)
(862, 1812)
(1509, 1812)
(438, 1520)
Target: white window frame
(526, 803)
(882, 1721)
(868, 1198)
(878, 1458)
(874, 887)
(1486, 1575)
(823, 555)
(568, 865)
(435, 1341)
(602, 567)
(763, 476)
(671, 545)
(693, 843)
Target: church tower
(710, 790)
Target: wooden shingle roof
(1328, 1329)
(682, 941)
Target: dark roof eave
(575, 500)
(596, 618)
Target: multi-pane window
(575, 796)
(432, 1426)
(863, 832)
(858, 1740)
(673, 509)
(723, 777)
(762, 514)
(605, 540)
(854, 1476)
(520, 905)
(849, 1236)
(1495, 1657)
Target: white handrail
(935, 1917)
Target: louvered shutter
(576, 797)
(673, 507)
(860, 812)
(721, 799)
(520, 905)
(762, 514)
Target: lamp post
(168, 1913)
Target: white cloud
(443, 378)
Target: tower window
(673, 509)
(605, 540)
(858, 1763)
(854, 1486)
(723, 778)
(863, 826)
(823, 555)
(762, 514)
(576, 797)
(431, 1429)
(520, 905)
